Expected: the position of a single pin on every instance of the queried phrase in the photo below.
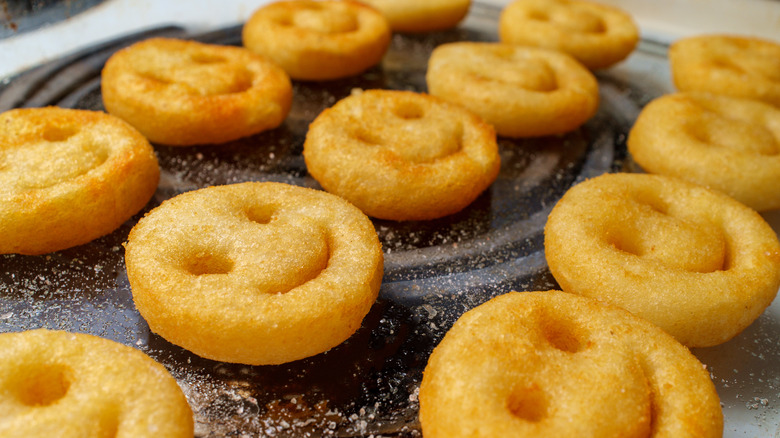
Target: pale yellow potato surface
(726, 143)
(68, 177)
(417, 16)
(734, 65)
(254, 273)
(69, 385)
(521, 91)
(400, 155)
(597, 35)
(183, 93)
(318, 40)
(553, 364)
(691, 260)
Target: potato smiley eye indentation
(538, 15)
(366, 136)
(109, 425)
(530, 74)
(261, 213)
(155, 80)
(726, 63)
(325, 21)
(578, 20)
(650, 202)
(206, 263)
(408, 110)
(563, 335)
(204, 57)
(43, 385)
(528, 403)
(58, 133)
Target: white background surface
(662, 20)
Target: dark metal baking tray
(434, 270)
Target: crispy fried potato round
(254, 273)
(68, 177)
(597, 35)
(521, 91)
(726, 143)
(416, 16)
(401, 155)
(738, 66)
(183, 93)
(552, 364)
(68, 385)
(318, 40)
(694, 261)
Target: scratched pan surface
(434, 271)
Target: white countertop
(662, 20)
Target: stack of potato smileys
(260, 273)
